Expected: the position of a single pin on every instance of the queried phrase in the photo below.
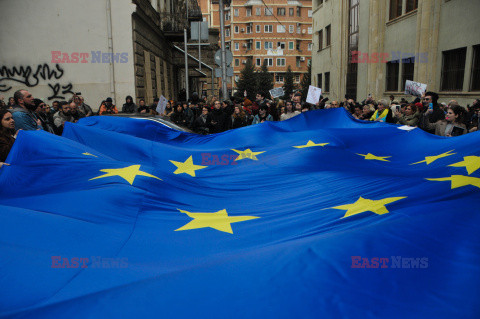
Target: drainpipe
(110, 49)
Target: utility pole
(224, 64)
(186, 54)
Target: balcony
(194, 11)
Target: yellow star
(219, 220)
(370, 156)
(247, 154)
(187, 167)
(459, 180)
(368, 205)
(471, 163)
(128, 173)
(431, 159)
(311, 144)
(88, 154)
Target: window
(280, 28)
(227, 32)
(268, 45)
(249, 45)
(411, 5)
(299, 12)
(249, 28)
(310, 46)
(395, 8)
(236, 12)
(299, 30)
(297, 78)
(309, 13)
(279, 78)
(258, 62)
(319, 80)
(237, 46)
(309, 30)
(408, 66)
(268, 28)
(258, 45)
(328, 35)
(281, 45)
(280, 11)
(268, 11)
(298, 62)
(237, 62)
(291, 29)
(258, 11)
(392, 76)
(475, 81)
(327, 82)
(237, 78)
(227, 16)
(269, 61)
(298, 46)
(227, 45)
(453, 69)
(281, 62)
(249, 12)
(235, 29)
(320, 40)
(258, 28)
(291, 45)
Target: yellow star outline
(128, 173)
(219, 220)
(88, 154)
(368, 205)
(187, 167)
(370, 156)
(311, 144)
(459, 180)
(471, 163)
(247, 154)
(431, 159)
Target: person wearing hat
(108, 107)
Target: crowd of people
(207, 116)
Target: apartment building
(278, 31)
(373, 47)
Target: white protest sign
(313, 94)
(278, 92)
(162, 104)
(415, 88)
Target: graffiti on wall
(31, 76)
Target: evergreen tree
(247, 82)
(306, 81)
(265, 80)
(288, 85)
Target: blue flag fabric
(318, 216)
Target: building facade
(278, 31)
(373, 47)
(100, 48)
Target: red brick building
(277, 30)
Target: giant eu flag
(320, 216)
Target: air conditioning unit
(244, 61)
(302, 58)
(242, 30)
(304, 31)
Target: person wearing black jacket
(202, 123)
(437, 114)
(238, 118)
(178, 117)
(218, 118)
(129, 106)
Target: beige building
(373, 47)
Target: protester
(238, 118)
(44, 117)
(7, 134)
(129, 106)
(452, 125)
(142, 107)
(85, 109)
(218, 118)
(410, 116)
(23, 112)
(367, 112)
(11, 102)
(383, 113)
(262, 116)
(75, 112)
(62, 116)
(357, 111)
(202, 123)
(289, 112)
(168, 109)
(179, 117)
(108, 107)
